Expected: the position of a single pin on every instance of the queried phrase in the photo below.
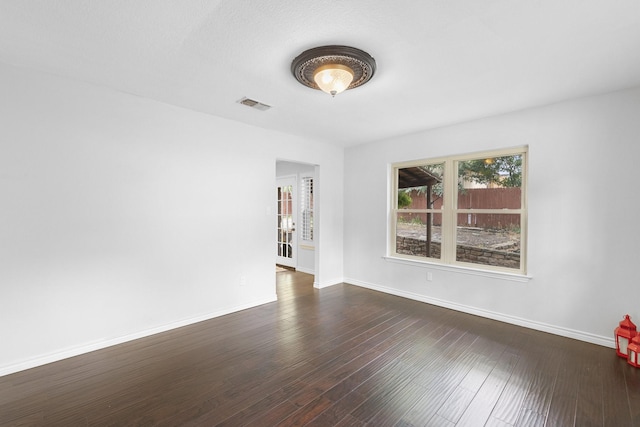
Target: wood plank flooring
(340, 356)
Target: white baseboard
(305, 270)
(327, 283)
(76, 351)
(556, 330)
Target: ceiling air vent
(254, 104)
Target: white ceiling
(439, 61)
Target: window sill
(462, 270)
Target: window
(462, 210)
(306, 207)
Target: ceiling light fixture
(333, 69)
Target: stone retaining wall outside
(484, 256)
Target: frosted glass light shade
(333, 78)
(333, 69)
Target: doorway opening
(295, 226)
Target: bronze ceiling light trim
(333, 69)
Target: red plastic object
(633, 350)
(623, 334)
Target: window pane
(420, 187)
(494, 239)
(418, 234)
(491, 183)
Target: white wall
(583, 233)
(305, 253)
(117, 217)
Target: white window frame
(450, 211)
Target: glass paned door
(286, 225)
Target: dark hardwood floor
(341, 356)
